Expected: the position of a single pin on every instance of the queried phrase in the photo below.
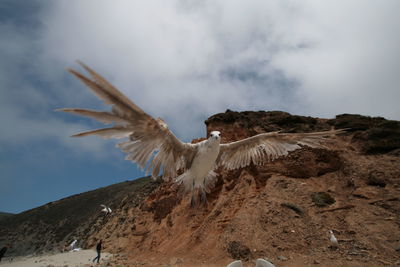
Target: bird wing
(266, 147)
(150, 140)
(104, 206)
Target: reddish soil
(281, 211)
(273, 211)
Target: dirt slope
(281, 211)
(58, 223)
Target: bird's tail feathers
(187, 180)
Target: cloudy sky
(183, 61)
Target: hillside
(4, 215)
(281, 211)
(56, 224)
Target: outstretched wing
(150, 140)
(265, 147)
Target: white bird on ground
(106, 209)
(333, 239)
(237, 263)
(73, 244)
(152, 144)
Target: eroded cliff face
(281, 211)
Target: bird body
(333, 239)
(200, 176)
(203, 161)
(151, 144)
(73, 244)
(105, 209)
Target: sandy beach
(70, 259)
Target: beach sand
(70, 259)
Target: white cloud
(186, 60)
(171, 57)
(353, 62)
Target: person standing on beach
(3, 251)
(98, 249)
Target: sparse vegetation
(293, 207)
(322, 199)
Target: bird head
(215, 135)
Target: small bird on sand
(106, 209)
(73, 244)
(151, 144)
(334, 242)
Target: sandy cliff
(281, 211)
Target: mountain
(5, 215)
(53, 226)
(281, 211)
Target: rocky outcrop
(281, 211)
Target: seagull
(73, 244)
(152, 144)
(106, 209)
(333, 239)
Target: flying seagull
(106, 209)
(150, 142)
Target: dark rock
(238, 251)
(355, 122)
(293, 207)
(376, 135)
(376, 178)
(267, 121)
(322, 199)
